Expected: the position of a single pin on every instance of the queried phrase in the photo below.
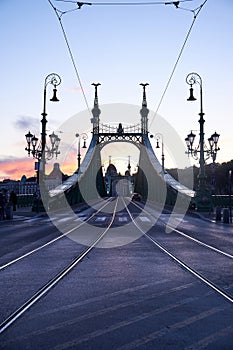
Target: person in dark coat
(1, 206)
(13, 199)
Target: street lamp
(213, 142)
(211, 152)
(203, 197)
(189, 142)
(230, 206)
(159, 138)
(84, 138)
(41, 151)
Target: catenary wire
(196, 13)
(176, 3)
(71, 54)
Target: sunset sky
(120, 47)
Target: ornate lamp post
(203, 196)
(230, 205)
(84, 138)
(41, 151)
(159, 138)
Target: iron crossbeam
(104, 138)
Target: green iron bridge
(152, 182)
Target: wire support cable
(139, 3)
(196, 13)
(59, 16)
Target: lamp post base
(203, 201)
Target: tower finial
(96, 93)
(144, 102)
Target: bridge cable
(176, 3)
(80, 4)
(196, 13)
(59, 16)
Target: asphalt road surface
(135, 289)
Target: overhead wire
(124, 3)
(59, 16)
(80, 4)
(176, 3)
(138, 3)
(196, 13)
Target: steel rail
(185, 235)
(181, 263)
(49, 285)
(52, 241)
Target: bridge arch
(89, 178)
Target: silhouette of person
(13, 199)
(3, 203)
(2, 215)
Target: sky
(119, 47)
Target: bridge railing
(221, 200)
(25, 200)
(113, 129)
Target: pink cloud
(78, 89)
(15, 168)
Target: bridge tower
(144, 111)
(96, 111)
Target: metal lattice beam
(106, 138)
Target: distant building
(23, 186)
(55, 178)
(29, 186)
(111, 170)
(116, 184)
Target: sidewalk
(211, 217)
(208, 216)
(26, 212)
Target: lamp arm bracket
(53, 79)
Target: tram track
(13, 261)
(57, 278)
(186, 235)
(60, 275)
(179, 261)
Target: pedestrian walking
(13, 199)
(1, 206)
(3, 203)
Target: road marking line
(144, 219)
(123, 219)
(140, 342)
(100, 218)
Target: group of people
(7, 201)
